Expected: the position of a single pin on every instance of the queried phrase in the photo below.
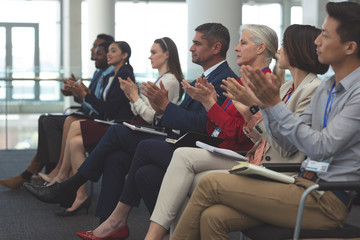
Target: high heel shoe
(51, 194)
(84, 205)
(45, 177)
(121, 233)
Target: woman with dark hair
(165, 58)
(298, 54)
(86, 140)
(85, 134)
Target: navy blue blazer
(92, 87)
(190, 115)
(116, 105)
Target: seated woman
(148, 166)
(164, 58)
(296, 94)
(53, 129)
(328, 129)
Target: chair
(270, 232)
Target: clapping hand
(158, 97)
(130, 89)
(263, 89)
(203, 91)
(236, 91)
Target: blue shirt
(338, 142)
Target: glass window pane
(296, 15)
(267, 14)
(49, 90)
(23, 52)
(23, 89)
(2, 52)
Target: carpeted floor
(24, 217)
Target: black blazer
(116, 105)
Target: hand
(236, 92)
(130, 89)
(203, 92)
(243, 109)
(263, 89)
(158, 97)
(78, 90)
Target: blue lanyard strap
(330, 100)
(227, 104)
(160, 77)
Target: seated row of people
(258, 111)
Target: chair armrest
(283, 167)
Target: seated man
(50, 126)
(327, 132)
(113, 154)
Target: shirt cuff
(249, 126)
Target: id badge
(315, 166)
(216, 132)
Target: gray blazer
(297, 103)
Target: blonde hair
(263, 34)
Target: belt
(343, 196)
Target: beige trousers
(186, 168)
(222, 203)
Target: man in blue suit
(113, 154)
(50, 126)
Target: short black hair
(105, 37)
(215, 32)
(348, 15)
(105, 45)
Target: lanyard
(160, 77)
(227, 104)
(330, 100)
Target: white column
(101, 18)
(314, 12)
(71, 40)
(226, 12)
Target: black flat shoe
(85, 205)
(51, 194)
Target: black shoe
(85, 205)
(51, 194)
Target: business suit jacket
(190, 115)
(116, 105)
(297, 103)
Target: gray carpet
(24, 217)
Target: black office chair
(270, 232)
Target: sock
(72, 184)
(26, 175)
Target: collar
(346, 83)
(207, 72)
(109, 70)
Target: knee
(212, 220)
(75, 144)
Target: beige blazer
(297, 103)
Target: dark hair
(105, 45)
(105, 37)
(299, 46)
(167, 44)
(348, 15)
(215, 32)
(125, 48)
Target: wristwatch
(254, 109)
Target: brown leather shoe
(14, 182)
